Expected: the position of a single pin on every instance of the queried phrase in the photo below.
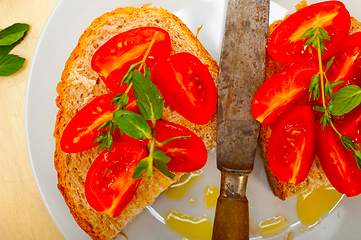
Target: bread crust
(316, 176)
(80, 84)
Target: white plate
(66, 23)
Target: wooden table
(22, 212)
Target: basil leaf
(147, 96)
(140, 169)
(13, 33)
(344, 100)
(162, 167)
(160, 156)
(9, 64)
(132, 124)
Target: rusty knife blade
(242, 71)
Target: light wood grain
(22, 212)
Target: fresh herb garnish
(9, 38)
(343, 101)
(150, 104)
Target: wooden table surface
(22, 212)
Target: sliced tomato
(350, 125)
(285, 44)
(291, 147)
(187, 86)
(347, 63)
(109, 185)
(82, 129)
(187, 154)
(113, 59)
(282, 91)
(338, 163)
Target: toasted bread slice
(316, 176)
(80, 84)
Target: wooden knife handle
(231, 221)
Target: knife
(242, 71)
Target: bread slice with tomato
(80, 85)
(316, 176)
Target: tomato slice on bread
(291, 147)
(187, 86)
(82, 129)
(282, 91)
(338, 163)
(285, 44)
(113, 59)
(109, 185)
(350, 125)
(187, 154)
(346, 65)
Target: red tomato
(338, 163)
(291, 147)
(82, 129)
(285, 44)
(187, 154)
(113, 59)
(350, 125)
(347, 63)
(187, 86)
(109, 185)
(282, 91)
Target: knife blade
(242, 71)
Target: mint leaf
(173, 138)
(127, 78)
(160, 162)
(357, 155)
(9, 64)
(319, 108)
(347, 142)
(160, 156)
(132, 124)
(344, 100)
(329, 63)
(308, 33)
(147, 96)
(106, 141)
(140, 169)
(13, 33)
(120, 99)
(324, 34)
(162, 167)
(314, 88)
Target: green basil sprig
(9, 38)
(343, 101)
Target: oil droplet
(313, 205)
(192, 201)
(199, 228)
(211, 194)
(290, 236)
(273, 226)
(178, 190)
